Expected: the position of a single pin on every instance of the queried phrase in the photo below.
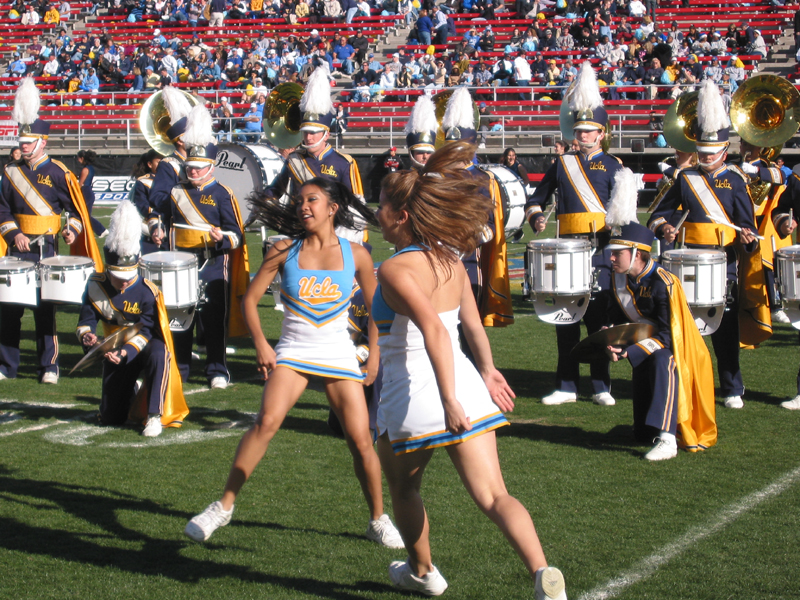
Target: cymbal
(115, 341)
(593, 347)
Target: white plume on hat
(622, 203)
(585, 93)
(711, 115)
(125, 230)
(423, 117)
(199, 127)
(26, 103)
(316, 98)
(176, 103)
(459, 112)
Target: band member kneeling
(119, 298)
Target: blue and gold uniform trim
(317, 318)
(312, 368)
(445, 438)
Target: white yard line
(651, 564)
(23, 403)
(32, 428)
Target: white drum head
(513, 193)
(707, 318)
(247, 168)
(560, 310)
(67, 263)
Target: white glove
(664, 166)
(749, 169)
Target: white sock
(668, 437)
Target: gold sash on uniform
(594, 217)
(711, 233)
(496, 309)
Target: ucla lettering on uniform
(645, 292)
(596, 166)
(360, 311)
(131, 308)
(722, 183)
(319, 293)
(44, 180)
(328, 170)
(207, 200)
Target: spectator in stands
(564, 39)
(151, 79)
(636, 9)
(350, 8)
(522, 73)
(29, 17)
(364, 76)
(735, 70)
(702, 47)
(251, 131)
(52, 17)
(604, 49)
(759, 46)
(440, 73)
(17, 67)
(440, 25)
(361, 46)
(52, 67)
(64, 10)
(652, 78)
(217, 13)
(483, 76)
(503, 70)
(714, 71)
(470, 40)
(424, 26)
(587, 39)
(344, 52)
(388, 78)
(111, 78)
(487, 41)
(693, 65)
(553, 74)
(194, 12)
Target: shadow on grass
(537, 384)
(151, 556)
(618, 439)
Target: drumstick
(199, 228)
(732, 226)
(38, 237)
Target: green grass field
(91, 513)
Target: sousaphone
(282, 115)
(154, 120)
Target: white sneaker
(663, 450)
(383, 531)
(734, 402)
(203, 525)
(430, 584)
(603, 399)
(153, 426)
(793, 404)
(50, 377)
(2, 377)
(559, 397)
(779, 316)
(219, 383)
(550, 584)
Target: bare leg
(347, 401)
(478, 466)
(404, 475)
(280, 393)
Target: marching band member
(205, 221)
(785, 218)
(317, 269)
(487, 266)
(120, 297)
(315, 157)
(584, 180)
(763, 172)
(420, 132)
(171, 170)
(145, 173)
(673, 383)
(715, 194)
(35, 192)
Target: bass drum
(247, 168)
(512, 191)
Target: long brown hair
(447, 206)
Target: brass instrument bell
(680, 122)
(154, 120)
(763, 111)
(282, 115)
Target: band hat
(178, 108)
(712, 126)
(458, 122)
(26, 113)
(632, 235)
(199, 138)
(122, 247)
(316, 104)
(421, 126)
(585, 102)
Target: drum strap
(712, 207)
(178, 165)
(26, 189)
(580, 182)
(300, 168)
(100, 300)
(626, 300)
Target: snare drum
(64, 278)
(247, 168)
(788, 272)
(18, 281)
(275, 286)
(703, 275)
(512, 192)
(559, 276)
(175, 274)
